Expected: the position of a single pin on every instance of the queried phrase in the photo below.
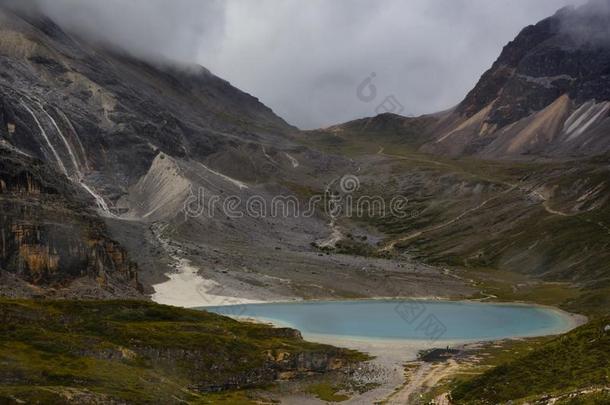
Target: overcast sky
(307, 59)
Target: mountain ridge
(545, 96)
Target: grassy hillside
(575, 363)
(83, 352)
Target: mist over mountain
(547, 94)
(176, 30)
(307, 65)
(588, 25)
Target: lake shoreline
(391, 354)
(574, 320)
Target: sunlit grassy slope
(577, 361)
(141, 352)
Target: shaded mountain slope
(545, 220)
(100, 120)
(141, 140)
(113, 111)
(546, 95)
(388, 127)
(566, 370)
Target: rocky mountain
(145, 146)
(91, 102)
(548, 94)
(136, 140)
(524, 157)
(81, 124)
(129, 178)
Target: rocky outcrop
(49, 238)
(546, 95)
(278, 365)
(159, 194)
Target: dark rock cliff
(50, 239)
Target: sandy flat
(186, 288)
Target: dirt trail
(417, 234)
(400, 157)
(552, 211)
(544, 199)
(512, 186)
(390, 246)
(426, 377)
(414, 384)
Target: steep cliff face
(547, 94)
(50, 241)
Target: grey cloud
(305, 59)
(588, 24)
(177, 29)
(427, 53)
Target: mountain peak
(565, 55)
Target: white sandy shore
(187, 289)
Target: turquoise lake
(407, 319)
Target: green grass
(593, 301)
(512, 248)
(138, 352)
(510, 233)
(577, 360)
(327, 392)
(511, 286)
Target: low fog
(307, 59)
(590, 25)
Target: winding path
(512, 186)
(417, 234)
